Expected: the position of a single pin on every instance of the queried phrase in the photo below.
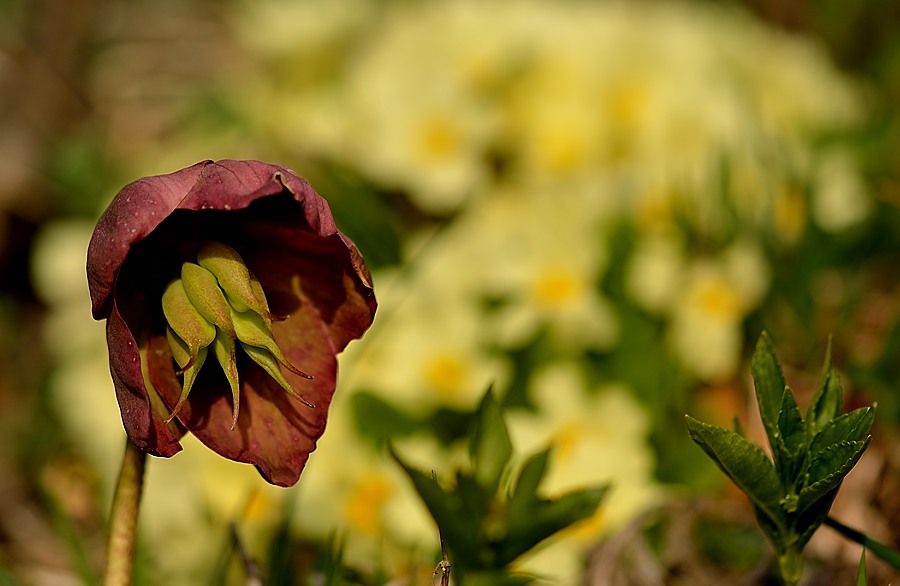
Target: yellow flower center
(718, 299)
(627, 104)
(437, 138)
(365, 503)
(446, 373)
(567, 440)
(790, 216)
(562, 148)
(557, 287)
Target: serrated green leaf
(810, 519)
(489, 444)
(768, 380)
(827, 469)
(835, 458)
(774, 533)
(788, 451)
(790, 422)
(745, 464)
(828, 399)
(546, 518)
(852, 426)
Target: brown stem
(124, 518)
(444, 565)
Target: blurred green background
(595, 207)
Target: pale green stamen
(233, 277)
(190, 365)
(188, 324)
(215, 303)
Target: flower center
(216, 302)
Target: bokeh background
(593, 207)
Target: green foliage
(861, 577)
(887, 554)
(7, 579)
(792, 493)
(492, 515)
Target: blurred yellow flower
(541, 256)
(600, 436)
(655, 273)
(705, 329)
(352, 490)
(427, 350)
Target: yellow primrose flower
(600, 437)
(358, 492)
(705, 329)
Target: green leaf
(834, 458)
(774, 533)
(885, 553)
(496, 578)
(489, 446)
(456, 524)
(852, 426)
(475, 498)
(810, 519)
(828, 468)
(861, 574)
(333, 564)
(791, 497)
(280, 570)
(745, 464)
(790, 422)
(525, 490)
(737, 427)
(768, 381)
(827, 401)
(546, 518)
(377, 419)
(788, 451)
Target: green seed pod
(223, 348)
(204, 293)
(213, 304)
(233, 276)
(261, 295)
(186, 322)
(269, 363)
(252, 330)
(191, 366)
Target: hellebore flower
(228, 291)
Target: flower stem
(124, 517)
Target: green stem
(124, 517)
(886, 553)
(790, 565)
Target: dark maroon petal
(275, 432)
(311, 272)
(313, 275)
(134, 213)
(145, 427)
(209, 185)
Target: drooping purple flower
(255, 276)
